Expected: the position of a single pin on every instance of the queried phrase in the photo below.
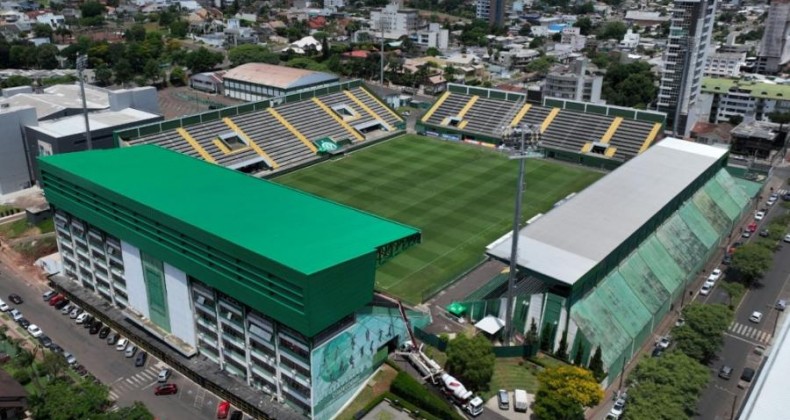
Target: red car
(55, 300)
(752, 227)
(222, 409)
(166, 389)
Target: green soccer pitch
(460, 196)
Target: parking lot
(127, 383)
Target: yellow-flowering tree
(564, 391)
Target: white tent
(490, 324)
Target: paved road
(744, 336)
(127, 383)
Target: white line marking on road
(743, 339)
(149, 385)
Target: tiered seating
(571, 130)
(449, 108)
(169, 140)
(629, 138)
(535, 116)
(312, 121)
(205, 135)
(486, 115)
(273, 137)
(389, 116)
(340, 98)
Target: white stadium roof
(571, 239)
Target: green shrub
(406, 387)
(22, 376)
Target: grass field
(460, 196)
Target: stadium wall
(608, 110)
(306, 303)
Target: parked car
(35, 331)
(88, 321)
(787, 238)
(113, 338)
(163, 376)
(15, 298)
(56, 299)
(727, 260)
(759, 215)
(66, 309)
(781, 304)
(725, 372)
(48, 295)
(70, 359)
(16, 315)
(764, 233)
(104, 332)
(746, 234)
(222, 409)
(715, 275)
(139, 361)
(96, 327)
(236, 415)
(166, 389)
(55, 348)
(657, 352)
(82, 317)
(706, 288)
(24, 323)
(130, 351)
(752, 227)
(4, 306)
(45, 341)
(503, 399)
(617, 409)
(747, 375)
(60, 305)
(77, 311)
(121, 345)
(756, 317)
(664, 342)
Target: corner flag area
(460, 196)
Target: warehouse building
(271, 284)
(257, 81)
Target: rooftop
(59, 97)
(277, 76)
(570, 240)
(757, 89)
(756, 129)
(75, 124)
(296, 229)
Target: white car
(756, 317)
(787, 238)
(122, 343)
(4, 306)
(70, 359)
(35, 331)
(664, 342)
(706, 288)
(617, 409)
(81, 318)
(759, 215)
(18, 315)
(714, 275)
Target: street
(719, 398)
(127, 382)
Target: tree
(631, 85)
(471, 360)
(674, 381)
(178, 77)
(736, 119)
(564, 391)
(532, 334)
(152, 71)
(525, 29)
(46, 56)
(91, 8)
(251, 53)
(179, 29)
(16, 80)
(596, 365)
(584, 24)
(53, 364)
(202, 60)
(123, 71)
(751, 261)
(433, 52)
(546, 337)
(61, 399)
(42, 30)
(578, 357)
(135, 33)
(540, 65)
(137, 411)
(702, 335)
(103, 75)
(612, 30)
(562, 349)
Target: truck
(461, 396)
(520, 401)
(429, 369)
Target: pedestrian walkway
(749, 332)
(782, 193)
(137, 381)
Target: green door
(157, 293)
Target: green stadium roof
(756, 88)
(294, 228)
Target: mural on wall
(341, 365)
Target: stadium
(276, 285)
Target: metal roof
(75, 124)
(277, 76)
(59, 97)
(573, 238)
(296, 229)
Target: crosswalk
(749, 332)
(137, 381)
(782, 193)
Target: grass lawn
(14, 229)
(380, 384)
(460, 196)
(509, 375)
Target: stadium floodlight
(82, 64)
(523, 148)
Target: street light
(82, 64)
(524, 149)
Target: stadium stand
(280, 133)
(585, 133)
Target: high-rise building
(691, 24)
(491, 10)
(774, 48)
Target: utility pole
(82, 64)
(381, 54)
